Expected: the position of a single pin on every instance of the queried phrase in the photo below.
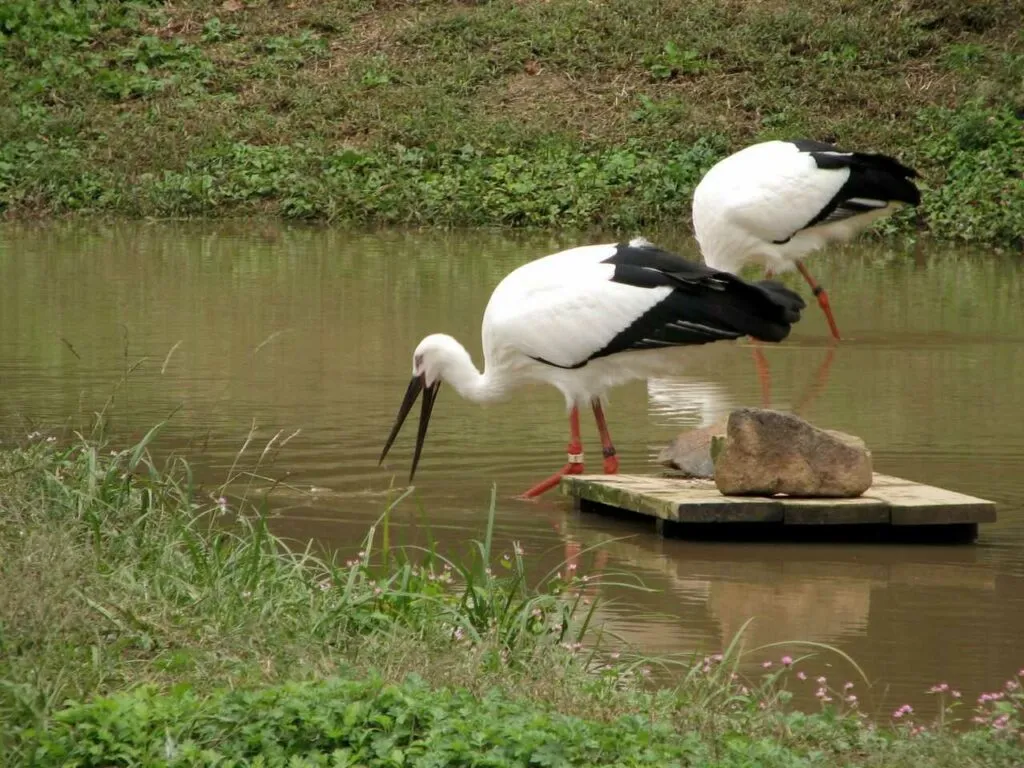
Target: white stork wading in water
(588, 319)
(775, 202)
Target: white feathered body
(583, 324)
(755, 206)
(561, 308)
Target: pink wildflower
(801, 675)
(767, 665)
(787, 661)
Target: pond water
(247, 326)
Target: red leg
(822, 298)
(575, 465)
(611, 461)
(820, 379)
(763, 373)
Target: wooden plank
(890, 500)
(865, 510)
(676, 500)
(928, 505)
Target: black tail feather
(765, 310)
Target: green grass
(564, 113)
(145, 620)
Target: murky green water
(313, 330)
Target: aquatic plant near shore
(191, 642)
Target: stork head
(435, 357)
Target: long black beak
(429, 396)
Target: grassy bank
(134, 632)
(565, 113)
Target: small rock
(769, 452)
(690, 452)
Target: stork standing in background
(588, 319)
(775, 202)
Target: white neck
(459, 371)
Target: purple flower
(851, 699)
(940, 688)
(847, 686)
(801, 675)
(821, 680)
(766, 664)
(906, 709)
(955, 694)
(787, 661)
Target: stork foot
(574, 467)
(611, 462)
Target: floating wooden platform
(903, 509)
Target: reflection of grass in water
(125, 573)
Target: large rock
(769, 452)
(690, 452)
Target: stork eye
(417, 361)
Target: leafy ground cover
(564, 113)
(148, 621)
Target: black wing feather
(874, 177)
(705, 305)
